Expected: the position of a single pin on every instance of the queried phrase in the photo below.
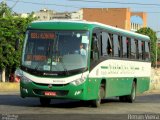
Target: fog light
(25, 90)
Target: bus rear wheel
(97, 102)
(131, 98)
(45, 101)
(123, 98)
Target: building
(77, 15)
(138, 20)
(24, 15)
(117, 17)
(62, 15)
(45, 14)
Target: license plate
(48, 93)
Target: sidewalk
(152, 91)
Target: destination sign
(42, 35)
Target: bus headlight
(25, 80)
(79, 81)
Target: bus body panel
(115, 86)
(143, 84)
(120, 74)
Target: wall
(142, 15)
(155, 79)
(117, 17)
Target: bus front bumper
(67, 91)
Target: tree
(4, 10)
(149, 32)
(11, 29)
(158, 53)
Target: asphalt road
(12, 105)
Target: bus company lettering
(59, 81)
(119, 69)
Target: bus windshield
(55, 50)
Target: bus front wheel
(97, 102)
(45, 101)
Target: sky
(151, 7)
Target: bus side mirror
(17, 44)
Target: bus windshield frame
(55, 51)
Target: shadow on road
(16, 100)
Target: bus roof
(82, 25)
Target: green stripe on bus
(104, 67)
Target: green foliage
(11, 29)
(149, 32)
(158, 53)
(4, 10)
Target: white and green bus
(114, 63)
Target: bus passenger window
(147, 50)
(133, 49)
(137, 51)
(140, 49)
(120, 47)
(128, 42)
(124, 45)
(143, 50)
(147, 55)
(116, 45)
(94, 48)
(110, 45)
(106, 44)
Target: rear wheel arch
(135, 80)
(132, 96)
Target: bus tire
(131, 98)
(97, 102)
(45, 101)
(122, 98)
